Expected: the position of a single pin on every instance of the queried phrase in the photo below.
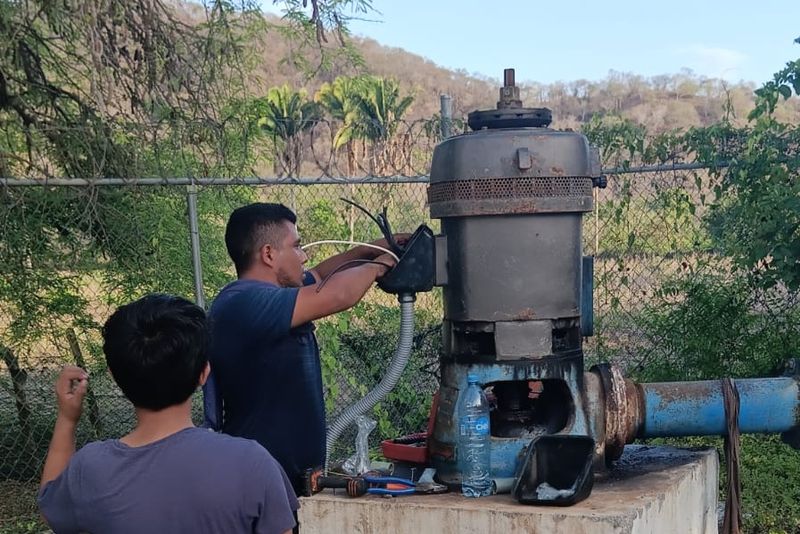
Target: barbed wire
(174, 153)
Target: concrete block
(652, 490)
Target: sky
(737, 40)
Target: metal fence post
(194, 238)
(446, 106)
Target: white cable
(340, 242)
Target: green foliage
(340, 99)
(664, 225)
(68, 110)
(781, 86)
(769, 471)
(623, 142)
(381, 107)
(307, 26)
(31, 525)
(357, 347)
(757, 219)
(124, 242)
(322, 220)
(705, 326)
(368, 107)
(67, 104)
(619, 140)
(754, 202)
(285, 115)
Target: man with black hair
(165, 475)
(267, 380)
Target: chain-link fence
(72, 252)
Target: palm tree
(286, 115)
(370, 109)
(340, 99)
(381, 109)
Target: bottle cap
(472, 378)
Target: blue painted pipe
(766, 405)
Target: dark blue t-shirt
(268, 374)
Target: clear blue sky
(569, 40)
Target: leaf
(631, 240)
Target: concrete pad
(653, 490)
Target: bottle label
(475, 427)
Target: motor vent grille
(511, 188)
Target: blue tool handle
(389, 480)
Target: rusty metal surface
(616, 414)
(513, 268)
(525, 206)
(697, 409)
(557, 408)
(493, 154)
(514, 187)
(623, 409)
(592, 395)
(635, 401)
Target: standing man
(165, 475)
(265, 358)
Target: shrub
(712, 325)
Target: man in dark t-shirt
(266, 379)
(269, 372)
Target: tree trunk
(18, 379)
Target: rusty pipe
(622, 410)
(766, 405)
(671, 409)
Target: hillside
(660, 103)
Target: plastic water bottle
(473, 441)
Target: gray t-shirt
(192, 481)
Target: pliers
(389, 485)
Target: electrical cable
(387, 232)
(382, 221)
(362, 208)
(345, 265)
(345, 242)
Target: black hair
(251, 227)
(156, 348)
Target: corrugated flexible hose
(389, 381)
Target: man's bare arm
(342, 291)
(329, 265)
